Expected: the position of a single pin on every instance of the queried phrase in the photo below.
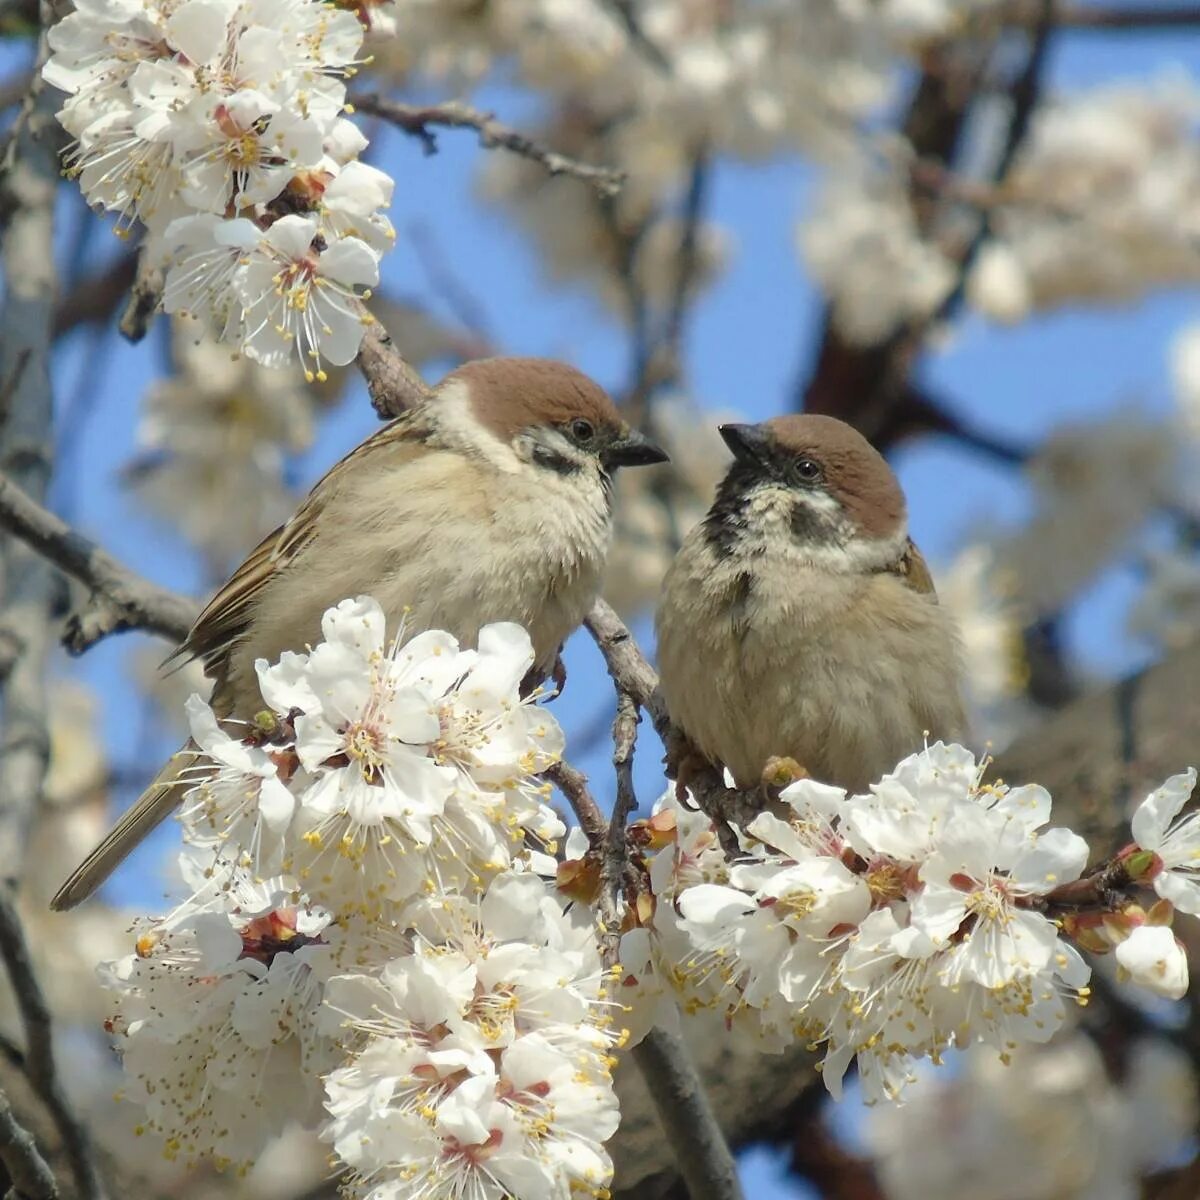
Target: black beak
(633, 449)
(749, 443)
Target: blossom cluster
(371, 945)
(891, 926)
(217, 124)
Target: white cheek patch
(818, 501)
(458, 424)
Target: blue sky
(746, 346)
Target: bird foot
(535, 678)
(684, 762)
(781, 770)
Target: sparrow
(799, 621)
(491, 501)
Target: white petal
(1160, 808)
(351, 262)
(1182, 891)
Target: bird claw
(535, 678)
(559, 675)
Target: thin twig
(393, 384)
(574, 786)
(634, 676)
(614, 865)
(686, 1116)
(121, 598)
(39, 1052)
(417, 119)
(31, 1177)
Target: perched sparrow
(490, 502)
(799, 620)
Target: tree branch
(393, 384)
(29, 589)
(416, 120)
(31, 1178)
(574, 786)
(687, 1117)
(120, 598)
(39, 1052)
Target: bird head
(813, 483)
(550, 416)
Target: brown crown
(512, 394)
(855, 472)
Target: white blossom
(1153, 958)
(484, 1070)
(216, 1027)
(1175, 843)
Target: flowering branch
(120, 599)
(416, 119)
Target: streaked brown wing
(910, 567)
(227, 615)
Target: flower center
(366, 746)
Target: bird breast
(449, 542)
(844, 672)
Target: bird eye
(581, 430)
(806, 470)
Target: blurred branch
(685, 270)
(834, 1173)
(394, 385)
(625, 12)
(417, 119)
(144, 298)
(97, 297)
(120, 599)
(31, 1178)
(30, 591)
(687, 1118)
(15, 88)
(448, 286)
(39, 1052)
(869, 386)
(1122, 20)
(1024, 94)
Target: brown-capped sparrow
(489, 502)
(799, 621)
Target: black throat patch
(726, 521)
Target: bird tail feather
(152, 807)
